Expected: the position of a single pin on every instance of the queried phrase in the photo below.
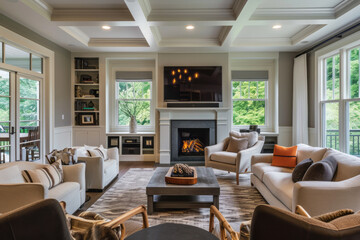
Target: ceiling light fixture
(189, 27)
(277, 26)
(106, 27)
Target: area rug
(237, 203)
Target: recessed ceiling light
(105, 27)
(189, 27)
(277, 26)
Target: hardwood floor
(124, 167)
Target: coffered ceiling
(160, 25)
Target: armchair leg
(237, 178)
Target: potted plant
(131, 109)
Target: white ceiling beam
(304, 33)
(204, 23)
(117, 42)
(248, 8)
(84, 14)
(76, 34)
(137, 11)
(345, 6)
(97, 23)
(290, 21)
(187, 15)
(293, 14)
(185, 42)
(40, 7)
(262, 42)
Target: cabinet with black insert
(130, 145)
(148, 144)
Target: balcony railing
(332, 140)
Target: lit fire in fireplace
(193, 145)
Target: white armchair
(217, 157)
(100, 172)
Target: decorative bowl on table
(181, 174)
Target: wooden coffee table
(203, 194)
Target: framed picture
(113, 141)
(87, 118)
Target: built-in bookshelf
(86, 96)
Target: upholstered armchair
(217, 157)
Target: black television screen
(193, 84)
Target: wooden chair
(224, 225)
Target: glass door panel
(354, 128)
(5, 117)
(331, 114)
(29, 119)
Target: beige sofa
(99, 172)
(317, 197)
(15, 192)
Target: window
(249, 97)
(340, 101)
(133, 97)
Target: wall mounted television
(193, 84)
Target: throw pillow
(237, 144)
(284, 156)
(323, 170)
(94, 153)
(103, 152)
(55, 172)
(328, 217)
(252, 137)
(39, 175)
(300, 170)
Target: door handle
(12, 131)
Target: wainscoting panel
(62, 137)
(285, 136)
(313, 140)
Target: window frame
(343, 48)
(117, 99)
(265, 99)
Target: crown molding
(262, 42)
(178, 42)
(304, 33)
(191, 15)
(117, 42)
(156, 33)
(345, 6)
(146, 7)
(224, 33)
(40, 7)
(238, 7)
(100, 14)
(293, 14)
(76, 33)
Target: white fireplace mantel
(221, 115)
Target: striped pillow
(49, 176)
(98, 152)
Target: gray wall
(62, 69)
(286, 65)
(311, 88)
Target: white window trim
(342, 47)
(113, 106)
(271, 111)
(48, 86)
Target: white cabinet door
(93, 138)
(80, 138)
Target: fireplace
(189, 139)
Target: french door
(20, 117)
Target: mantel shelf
(166, 109)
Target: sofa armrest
(75, 173)
(113, 153)
(261, 158)
(319, 197)
(211, 149)
(243, 158)
(17, 195)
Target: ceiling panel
(198, 32)
(299, 3)
(192, 4)
(86, 3)
(267, 31)
(114, 32)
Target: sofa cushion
(281, 186)
(11, 175)
(237, 144)
(305, 151)
(224, 157)
(82, 152)
(259, 169)
(300, 169)
(323, 170)
(284, 156)
(62, 190)
(348, 165)
(251, 136)
(38, 176)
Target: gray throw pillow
(300, 169)
(237, 144)
(323, 170)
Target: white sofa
(317, 197)
(15, 192)
(99, 172)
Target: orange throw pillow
(284, 156)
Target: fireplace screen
(193, 141)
